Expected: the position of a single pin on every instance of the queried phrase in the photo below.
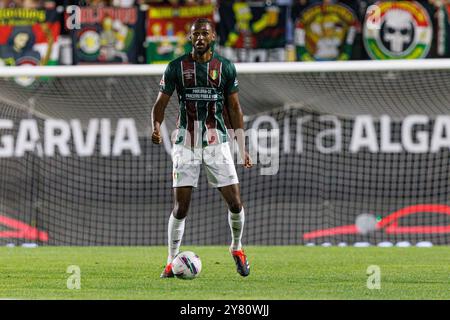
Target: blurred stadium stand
(248, 31)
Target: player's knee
(180, 210)
(235, 206)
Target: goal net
(347, 152)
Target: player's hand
(248, 163)
(156, 137)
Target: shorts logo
(405, 31)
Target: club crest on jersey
(214, 74)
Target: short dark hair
(203, 21)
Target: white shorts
(218, 163)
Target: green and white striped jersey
(202, 90)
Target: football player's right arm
(158, 116)
(166, 88)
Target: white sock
(175, 233)
(236, 222)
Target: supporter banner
(442, 32)
(326, 32)
(29, 37)
(107, 35)
(167, 30)
(404, 30)
(252, 32)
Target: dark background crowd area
(297, 5)
(39, 4)
(226, 25)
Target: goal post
(361, 151)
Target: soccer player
(207, 90)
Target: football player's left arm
(237, 122)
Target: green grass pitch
(277, 272)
